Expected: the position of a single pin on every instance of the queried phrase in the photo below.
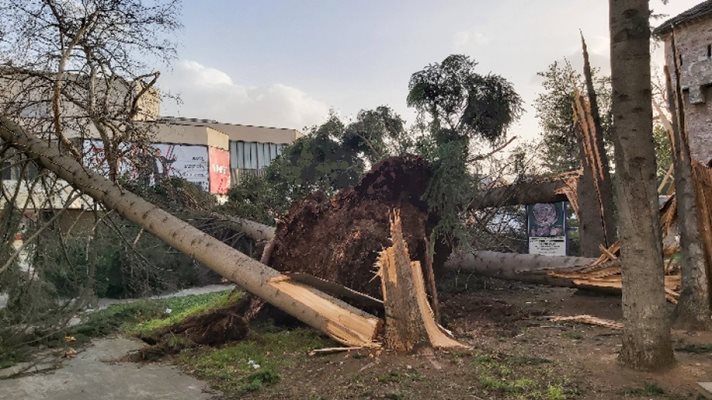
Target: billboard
(189, 162)
(219, 161)
(546, 228)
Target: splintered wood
(605, 273)
(410, 322)
(589, 320)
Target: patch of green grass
(504, 385)
(253, 363)
(519, 376)
(146, 316)
(182, 308)
(695, 348)
(648, 390)
(117, 317)
(573, 335)
(555, 392)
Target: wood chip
(589, 320)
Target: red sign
(219, 161)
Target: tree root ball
(339, 238)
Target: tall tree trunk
(646, 337)
(694, 310)
(335, 318)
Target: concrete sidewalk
(95, 374)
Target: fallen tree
(532, 268)
(342, 322)
(547, 191)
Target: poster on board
(546, 228)
(219, 161)
(189, 162)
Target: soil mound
(339, 238)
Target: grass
(521, 377)
(138, 318)
(146, 316)
(648, 390)
(254, 363)
(695, 348)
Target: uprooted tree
(344, 323)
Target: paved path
(96, 375)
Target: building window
(709, 51)
(679, 59)
(253, 155)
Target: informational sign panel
(189, 162)
(546, 226)
(219, 170)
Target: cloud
(466, 41)
(208, 92)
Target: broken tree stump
(410, 322)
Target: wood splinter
(410, 322)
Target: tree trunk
(335, 318)
(520, 193)
(590, 219)
(646, 336)
(531, 268)
(410, 322)
(693, 309)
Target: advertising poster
(546, 226)
(189, 162)
(219, 170)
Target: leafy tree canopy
(459, 101)
(554, 108)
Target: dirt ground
(517, 354)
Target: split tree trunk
(344, 323)
(410, 322)
(646, 336)
(693, 309)
(603, 174)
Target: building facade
(691, 34)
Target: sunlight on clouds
(208, 92)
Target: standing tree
(646, 336)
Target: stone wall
(694, 46)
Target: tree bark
(693, 310)
(531, 268)
(646, 336)
(335, 318)
(520, 193)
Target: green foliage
(455, 97)
(329, 157)
(663, 151)
(554, 108)
(459, 105)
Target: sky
(286, 63)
